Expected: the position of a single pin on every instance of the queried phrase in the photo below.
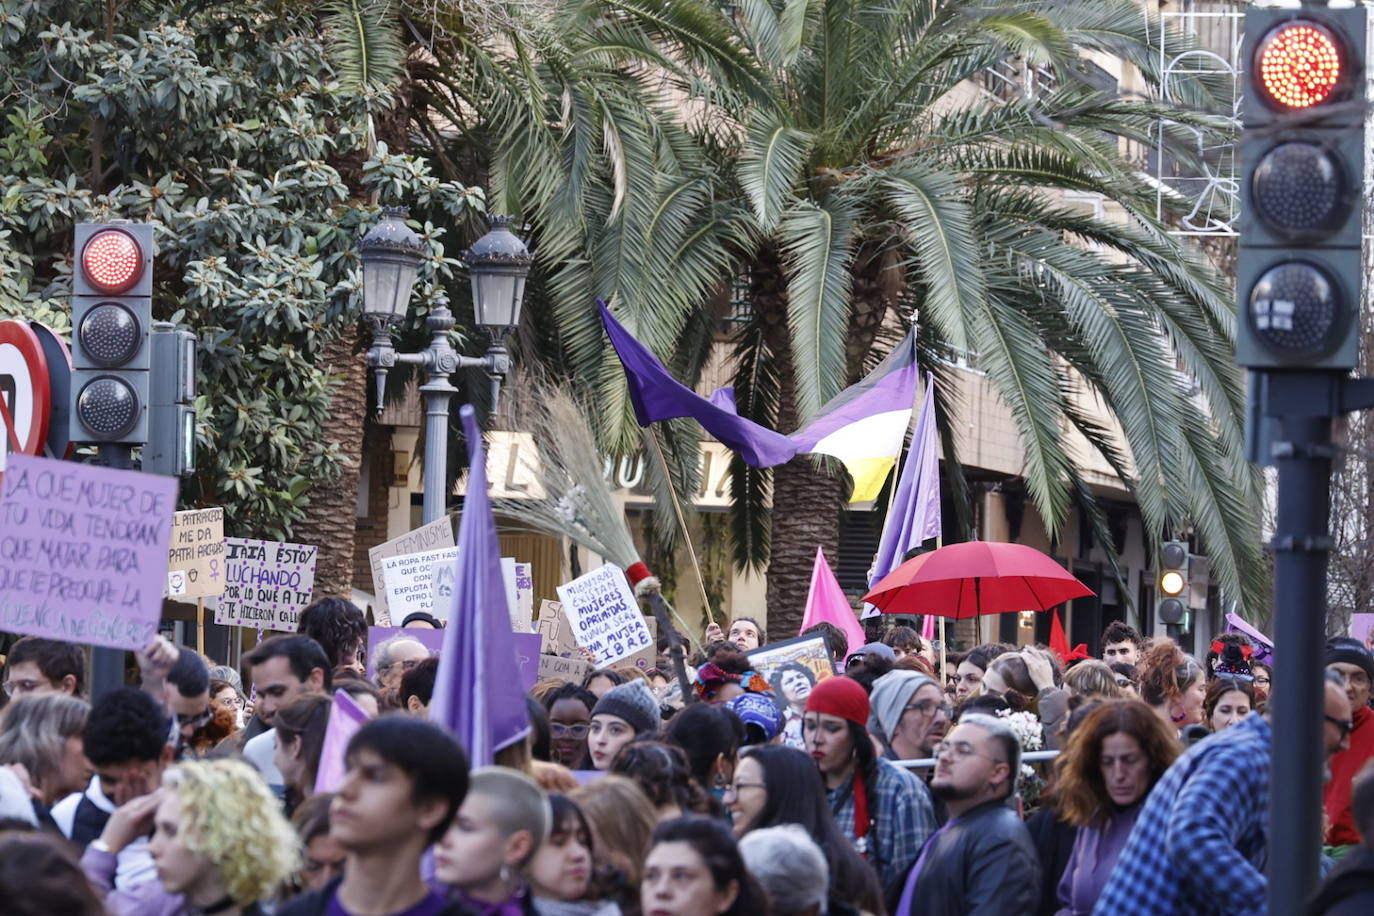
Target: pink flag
(345, 718)
(827, 604)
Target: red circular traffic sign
(25, 393)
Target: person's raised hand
(714, 634)
(1039, 667)
(159, 658)
(130, 821)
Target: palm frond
(365, 43)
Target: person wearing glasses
(1110, 763)
(570, 719)
(1349, 659)
(37, 666)
(777, 784)
(393, 658)
(982, 860)
(909, 714)
(1199, 844)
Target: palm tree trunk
(330, 517)
(808, 498)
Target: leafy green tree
(229, 129)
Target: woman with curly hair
(1173, 684)
(220, 845)
(1110, 764)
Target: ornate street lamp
(498, 263)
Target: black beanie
(634, 702)
(1349, 651)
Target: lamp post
(498, 264)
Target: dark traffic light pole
(1303, 405)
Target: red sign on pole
(25, 393)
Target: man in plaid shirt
(1199, 844)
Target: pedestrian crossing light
(1302, 167)
(1172, 607)
(111, 316)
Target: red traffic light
(112, 261)
(1300, 64)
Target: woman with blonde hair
(1092, 679)
(220, 845)
(1109, 765)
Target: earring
(505, 873)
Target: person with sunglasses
(570, 720)
(1200, 843)
(1353, 663)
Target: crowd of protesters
(194, 792)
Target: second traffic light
(1302, 169)
(111, 317)
(1172, 605)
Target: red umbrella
(975, 578)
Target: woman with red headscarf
(884, 810)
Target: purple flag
(345, 718)
(656, 395)
(475, 696)
(914, 514)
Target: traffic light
(1302, 170)
(171, 446)
(1171, 607)
(112, 312)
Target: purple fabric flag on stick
(345, 718)
(656, 395)
(914, 514)
(475, 696)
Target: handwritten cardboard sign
(410, 586)
(195, 560)
(519, 593)
(572, 670)
(605, 618)
(266, 583)
(83, 551)
(436, 534)
(556, 629)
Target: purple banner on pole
(83, 551)
(527, 648)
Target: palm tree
(878, 178)
(836, 149)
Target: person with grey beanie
(623, 714)
(909, 714)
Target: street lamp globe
(391, 254)
(498, 263)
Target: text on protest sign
(83, 551)
(606, 620)
(556, 629)
(195, 559)
(409, 581)
(519, 593)
(436, 534)
(572, 670)
(266, 583)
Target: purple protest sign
(83, 551)
(527, 646)
(433, 640)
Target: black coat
(316, 903)
(985, 865)
(1349, 889)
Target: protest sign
(195, 559)
(266, 583)
(793, 668)
(645, 658)
(436, 534)
(410, 584)
(520, 593)
(566, 669)
(1362, 628)
(605, 618)
(433, 640)
(556, 629)
(527, 656)
(83, 551)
